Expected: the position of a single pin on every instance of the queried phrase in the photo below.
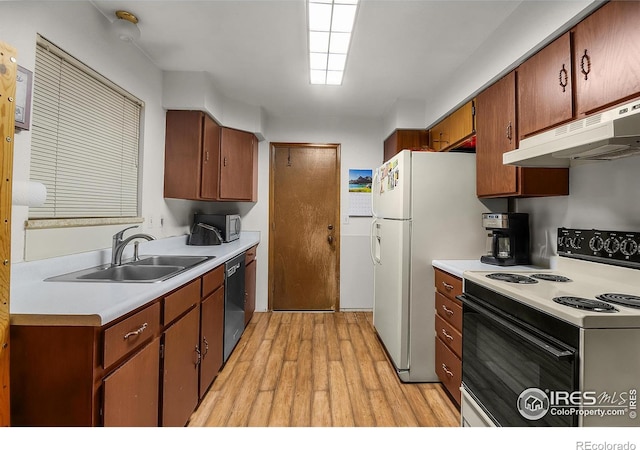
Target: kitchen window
(85, 140)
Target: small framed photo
(24, 80)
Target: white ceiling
(256, 50)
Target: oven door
(502, 357)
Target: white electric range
(557, 347)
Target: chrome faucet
(119, 244)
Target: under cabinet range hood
(605, 136)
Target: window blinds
(84, 144)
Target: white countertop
(457, 267)
(38, 302)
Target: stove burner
(511, 278)
(586, 304)
(551, 277)
(632, 301)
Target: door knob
(330, 227)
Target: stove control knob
(576, 242)
(596, 243)
(628, 247)
(611, 245)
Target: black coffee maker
(507, 240)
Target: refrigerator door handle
(374, 192)
(374, 245)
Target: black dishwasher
(233, 303)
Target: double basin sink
(147, 269)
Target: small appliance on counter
(204, 234)
(229, 225)
(507, 240)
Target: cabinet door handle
(447, 371)
(564, 78)
(447, 286)
(447, 335)
(206, 346)
(136, 332)
(448, 311)
(224, 162)
(198, 356)
(585, 61)
(509, 131)
(206, 156)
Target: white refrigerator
(425, 207)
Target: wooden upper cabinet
(545, 88)
(204, 161)
(453, 129)
(495, 135)
(236, 172)
(607, 56)
(404, 139)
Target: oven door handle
(558, 353)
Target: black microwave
(228, 224)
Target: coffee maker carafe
(507, 240)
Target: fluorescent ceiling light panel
(330, 26)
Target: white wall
(360, 148)
(82, 31)
(602, 195)
(527, 30)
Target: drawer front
(449, 311)
(129, 334)
(448, 285)
(449, 335)
(181, 300)
(212, 280)
(250, 255)
(448, 369)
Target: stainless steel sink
(129, 272)
(148, 269)
(169, 260)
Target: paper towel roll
(29, 193)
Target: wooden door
(496, 134)
(211, 335)
(304, 243)
(8, 68)
(236, 173)
(180, 374)
(131, 392)
(545, 88)
(606, 49)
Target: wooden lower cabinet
(151, 367)
(211, 338)
(250, 285)
(131, 391)
(448, 332)
(181, 364)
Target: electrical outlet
(150, 222)
(346, 218)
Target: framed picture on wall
(24, 79)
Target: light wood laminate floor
(317, 369)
